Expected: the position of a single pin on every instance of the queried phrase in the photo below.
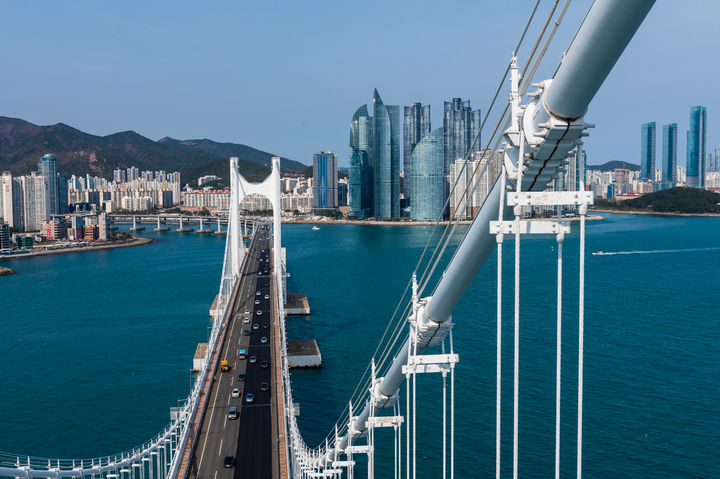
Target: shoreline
(658, 213)
(136, 241)
(589, 217)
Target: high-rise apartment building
(669, 153)
(415, 126)
(427, 177)
(375, 161)
(36, 201)
(460, 125)
(696, 142)
(386, 159)
(47, 168)
(360, 177)
(325, 180)
(5, 240)
(647, 150)
(573, 175)
(119, 175)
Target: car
(249, 397)
(264, 364)
(256, 326)
(252, 359)
(247, 311)
(264, 387)
(257, 301)
(265, 325)
(242, 377)
(246, 332)
(229, 461)
(235, 393)
(258, 293)
(263, 340)
(267, 296)
(246, 320)
(233, 413)
(259, 312)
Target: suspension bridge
(534, 139)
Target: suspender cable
(498, 356)
(581, 333)
(558, 354)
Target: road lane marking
(220, 449)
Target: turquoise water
(99, 345)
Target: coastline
(589, 217)
(657, 213)
(136, 241)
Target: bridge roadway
(249, 438)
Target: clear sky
(286, 77)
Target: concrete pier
(199, 357)
(135, 227)
(219, 229)
(160, 226)
(183, 230)
(297, 305)
(303, 353)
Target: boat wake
(653, 251)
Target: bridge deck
(249, 438)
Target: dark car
(246, 332)
(265, 325)
(242, 377)
(264, 387)
(229, 461)
(264, 364)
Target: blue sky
(286, 77)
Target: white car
(246, 320)
(236, 393)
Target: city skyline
(95, 87)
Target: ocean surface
(97, 346)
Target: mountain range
(23, 143)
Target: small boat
(315, 228)
(597, 253)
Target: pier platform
(303, 353)
(199, 357)
(297, 305)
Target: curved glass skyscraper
(696, 141)
(427, 164)
(360, 196)
(47, 168)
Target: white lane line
(228, 401)
(215, 477)
(225, 423)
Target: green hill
(22, 144)
(612, 165)
(673, 200)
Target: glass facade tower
(647, 150)
(415, 126)
(325, 176)
(360, 178)
(427, 177)
(47, 168)
(669, 153)
(386, 159)
(696, 141)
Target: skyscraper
(360, 178)
(325, 180)
(647, 150)
(415, 126)
(573, 175)
(696, 141)
(669, 153)
(36, 201)
(426, 177)
(375, 161)
(460, 124)
(386, 159)
(47, 168)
